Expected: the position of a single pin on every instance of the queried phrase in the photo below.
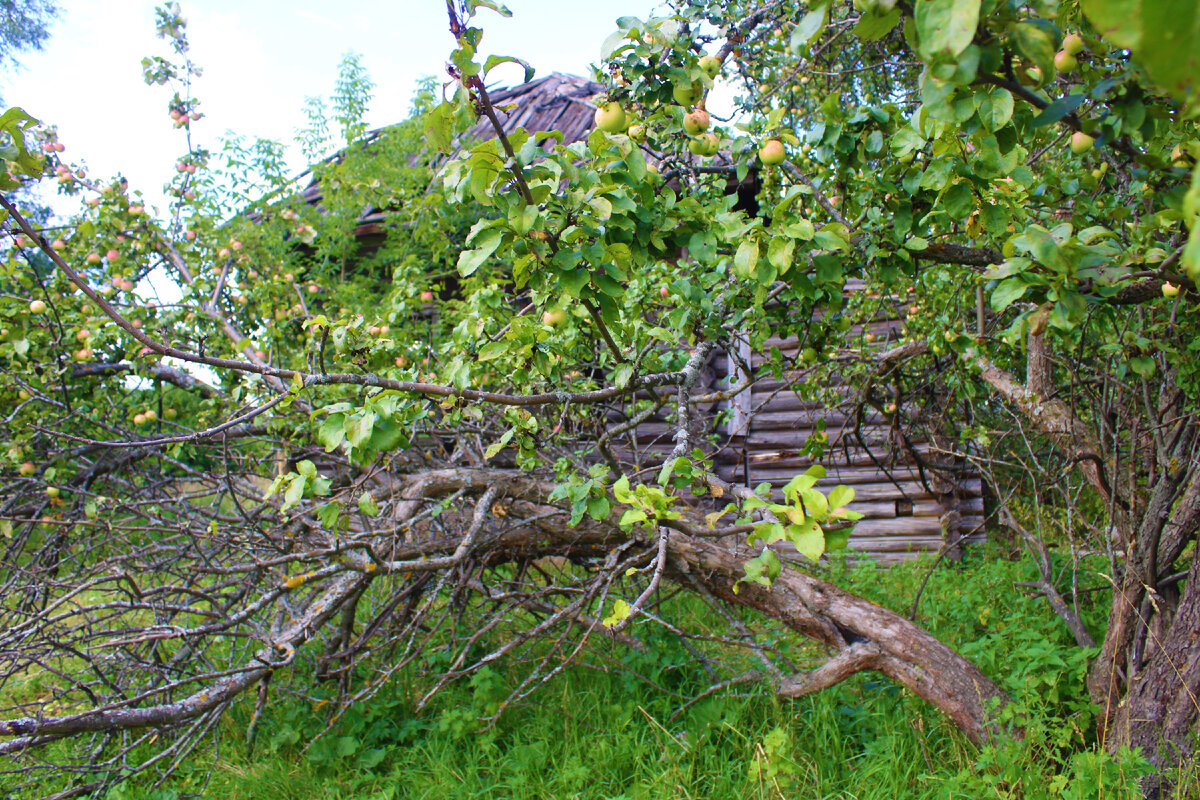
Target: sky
(261, 59)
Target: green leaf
(816, 503)
(746, 258)
(495, 61)
(1119, 21)
(959, 201)
(946, 27)
(780, 253)
(1036, 43)
(1170, 46)
(763, 569)
(798, 484)
(1142, 365)
(1058, 109)
(809, 540)
(367, 504)
(808, 29)
(996, 109)
(837, 540)
(492, 4)
(295, 491)
(329, 514)
(471, 260)
(622, 492)
(438, 126)
(620, 613)
(359, 427)
(1007, 292)
(872, 27)
(332, 432)
(632, 516)
(840, 496)
(598, 507)
(801, 229)
(499, 444)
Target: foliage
(382, 426)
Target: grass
(598, 732)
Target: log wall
(759, 436)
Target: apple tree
(344, 447)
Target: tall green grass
(603, 732)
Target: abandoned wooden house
(909, 504)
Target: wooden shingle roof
(557, 102)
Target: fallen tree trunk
(859, 635)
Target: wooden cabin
(913, 497)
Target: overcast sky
(261, 59)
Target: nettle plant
(341, 453)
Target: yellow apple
(696, 122)
(772, 153)
(611, 118)
(1081, 143)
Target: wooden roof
(556, 102)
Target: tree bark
(1162, 702)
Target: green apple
(1065, 62)
(696, 122)
(26, 469)
(705, 145)
(809, 355)
(554, 317)
(711, 65)
(1081, 143)
(37, 307)
(772, 153)
(1169, 289)
(1072, 44)
(637, 132)
(610, 118)
(686, 94)
(52, 492)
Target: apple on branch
(611, 118)
(772, 153)
(696, 122)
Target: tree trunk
(862, 635)
(1162, 702)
